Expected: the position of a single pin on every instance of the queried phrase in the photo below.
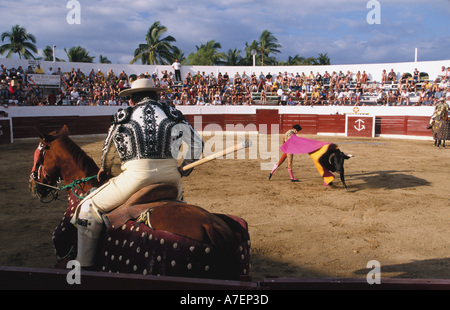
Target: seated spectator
(247, 100)
(391, 78)
(100, 75)
(422, 96)
(29, 70)
(331, 97)
(81, 101)
(74, 96)
(403, 99)
(216, 100)
(263, 98)
(416, 79)
(112, 101)
(381, 97)
(403, 82)
(392, 97)
(442, 75)
(315, 97)
(50, 71)
(291, 101)
(39, 70)
(51, 98)
(13, 101)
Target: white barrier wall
(46, 111)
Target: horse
(440, 125)
(151, 233)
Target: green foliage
(78, 54)
(156, 50)
(159, 50)
(20, 42)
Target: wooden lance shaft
(247, 143)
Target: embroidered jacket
(150, 130)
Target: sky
(340, 28)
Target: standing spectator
(416, 79)
(177, 68)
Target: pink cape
(297, 145)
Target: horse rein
(39, 169)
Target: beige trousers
(135, 175)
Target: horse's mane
(83, 161)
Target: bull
(327, 157)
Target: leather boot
(89, 232)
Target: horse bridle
(40, 189)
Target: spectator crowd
(335, 88)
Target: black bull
(333, 160)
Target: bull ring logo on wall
(360, 125)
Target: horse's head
(45, 173)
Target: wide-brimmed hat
(141, 85)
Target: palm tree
(323, 59)
(48, 54)
(104, 59)
(156, 50)
(78, 54)
(248, 58)
(20, 42)
(233, 58)
(297, 60)
(207, 55)
(178, 54)
(268, 45)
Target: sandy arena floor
(396, 210)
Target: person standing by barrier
(177, 67)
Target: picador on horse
(137, 222)
(145, 136)
(440, 123)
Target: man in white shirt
(177, 67)
(404, 97)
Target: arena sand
(396, 209)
